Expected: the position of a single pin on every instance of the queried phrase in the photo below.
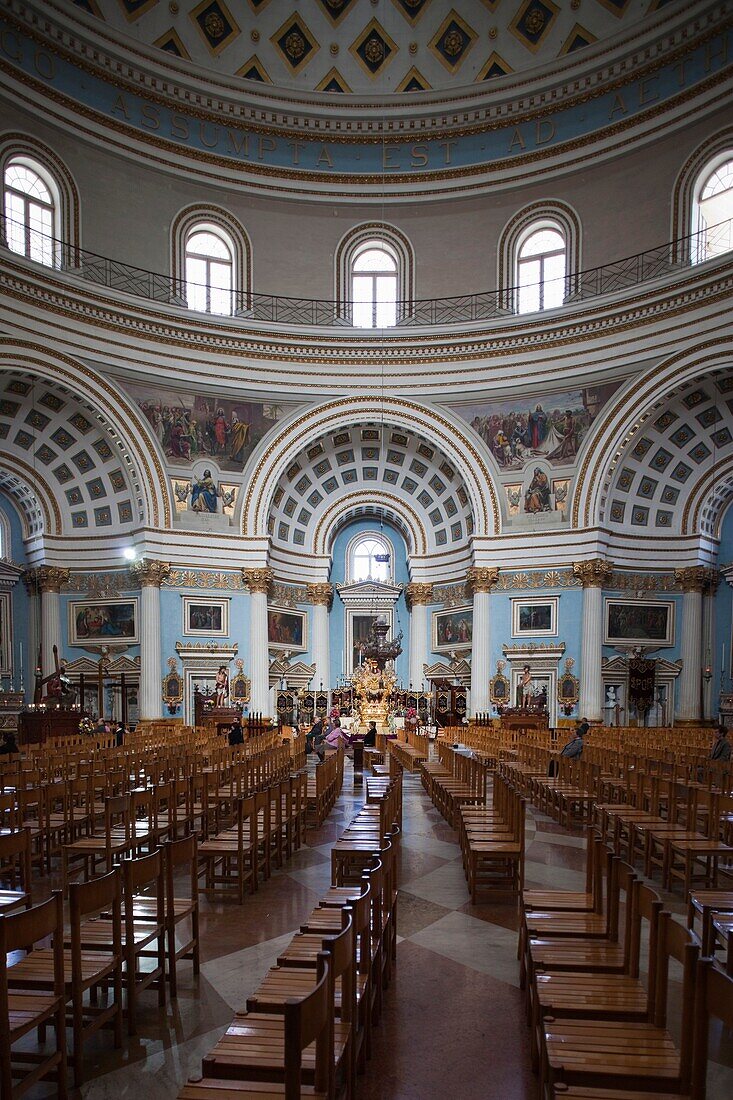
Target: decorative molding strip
(205, 578)
(537, 578)
(289, 595)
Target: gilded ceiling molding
(418, 533)
(46, 496)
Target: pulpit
(35, 727)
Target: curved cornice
(654, 319)
(148, 105)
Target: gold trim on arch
(351, 500)
(35, 478)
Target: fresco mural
(553, 427)
(193, 426)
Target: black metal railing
(620, 275)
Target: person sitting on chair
(370, 737)
(10, 745)
(236, 733)
(572, 750)
(336, 735)
(721, 745)
(583, 728)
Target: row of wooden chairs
(492, 840)
(116, 921)
(410, 749)
(307, 1029)
(597, 1021)
(454, 780)
(324, 787)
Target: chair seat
(208, 1087)
(12, 899)
(607, 1048)
(36, 969)
(565, 1092)
(255, 1043)
(587, 995)
(27, 1010)
(557, 900)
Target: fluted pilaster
(479, 582)
(693, 582)
(150, 574)
(321, 595)
(593, 575)
(48, 580)
(418, 596)
(259, 582)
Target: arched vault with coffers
(395, 459)
(78, 442)
(631, 431)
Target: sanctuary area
(366, 548)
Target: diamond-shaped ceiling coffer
(533, 21)
(453, 41)
(295, 43)
(373, 48)
(216, 24)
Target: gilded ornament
(493, 32)
(534, 21)
(50, 578)
(149, 573)
(418, 593)
(374, 50)
(453, 43)
(258, 580)
(255, 35)
(295, 45)
(481, 578)
(696, 578)
(214, 25)
(413, 48)
(320, 593)
(595, 573)
(334, 47)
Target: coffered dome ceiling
(369, 47)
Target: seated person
(573, 749)
(370, 737)
(583, 727)
(315, 739)
(336, 735)
(10, 745)
(236, 733)
(721, 745)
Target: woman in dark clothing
(370, 738)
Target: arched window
(209, 270)
(211, 259)
(538, 255)
(712, 212)
(541, 268)
(369, 558)
(374, 276)
(374, 286)
(31, 203)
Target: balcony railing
(624, 274)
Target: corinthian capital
(595, 573)
(418, 593)
(320, 593)
(47, 578)
(481, 578)
(696, 578)
(149, 573)
(258, 580)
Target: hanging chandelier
(378, 648)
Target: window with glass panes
(541, 265)
(29, 213)
(374, 287)
(714, 215)
(209, 271)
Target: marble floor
(453, 1024)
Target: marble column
(479, 581)
(692, 581)
(594, 575)
(150, 574)
(258, 581)
(49, 580)
(418, 597)
(321, 595)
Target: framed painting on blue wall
(204, 617)
(104, 622)
(287, 629)
(639, 622)
(453, 629)
(534, 618)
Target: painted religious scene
(193, 426)
(516, 432)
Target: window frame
(351, 552)
(539, 226)
(392, 241)
(549, 214)
(210, 261)
(221, 223)
(19, 148)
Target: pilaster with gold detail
(320, 595)
(693, 581)
(48, 580)
(480, 579)
(419, 595)
(150, 573)
(593, 574)
(259, 582)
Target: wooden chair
(306, 1043)
(181, 908)
(228, 861)
(85, 972)
(15, 871)
(714, 998)
(614, 1054)
(106, 846)
(23, 1010)
(144, 929)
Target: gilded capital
(696, 578)
(149, 573)
(320, 593)
(47, 578)
(258, 580)
(595, 573)
(418, 593)
(481, 578)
